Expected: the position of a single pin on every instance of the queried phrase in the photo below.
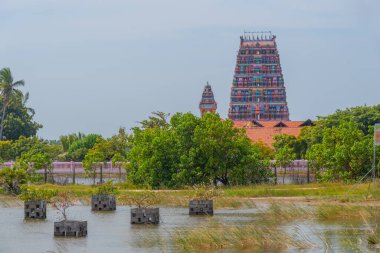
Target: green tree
(9, 92)
(96, 157)
(79, 148)
(119, 161)
(364, 116)
(221, 147)
(290, 141)
(6, 151)
(158, 119)
(67, 140)
(23, 145)
(192, 150)
(29, 193)
(284, 157)
(153, 157)
(41, 156)
(345, 151)
(11, 178)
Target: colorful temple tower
(258, 91)
(207, 103)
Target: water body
(80, 179)
(112, 231)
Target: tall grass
(253, 237)
(347, 212)
(331, 190)
(278, 213)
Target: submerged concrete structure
(201, 207)
(70, 228)
(35, 209)
(145, 215)
(103, 202)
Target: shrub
(203, 192)
(62, 201)
(28, 193)
(143, 199)
(11, 179)
(107, 188)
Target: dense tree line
(188, 150)
(339, 147)
(185, 149)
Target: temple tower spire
(207, 103)
(258, 91)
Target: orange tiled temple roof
(264, 131)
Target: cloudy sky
(93, 66)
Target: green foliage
(265, 151)
(284, 156)
(16, 119)
(159, 119)
(364, 116)
(28, 193)
(107, 188)
(67, 140)
(41, 156)
(79, 148)
(113, 149)
(344, 151)
(11, 179)
(120, 146)
(6, 151)
(19, 122)
(291, 144)
(96, 157)
(191, 150)
(339, 147)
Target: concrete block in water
(199, 207)
(70, 228)
(103, 202)
(145, 215)
(35, 209)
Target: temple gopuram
(258, 97)
(258, 91)
(207, 103)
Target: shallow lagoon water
(112, 231)
(107, 231)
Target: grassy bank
(331, 190)
(239, 197)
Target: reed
(347, 212)
(279, 213)
(219, 236)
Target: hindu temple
(258, 90)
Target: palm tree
(25, 99)
(8, 92)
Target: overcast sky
(93, 66)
